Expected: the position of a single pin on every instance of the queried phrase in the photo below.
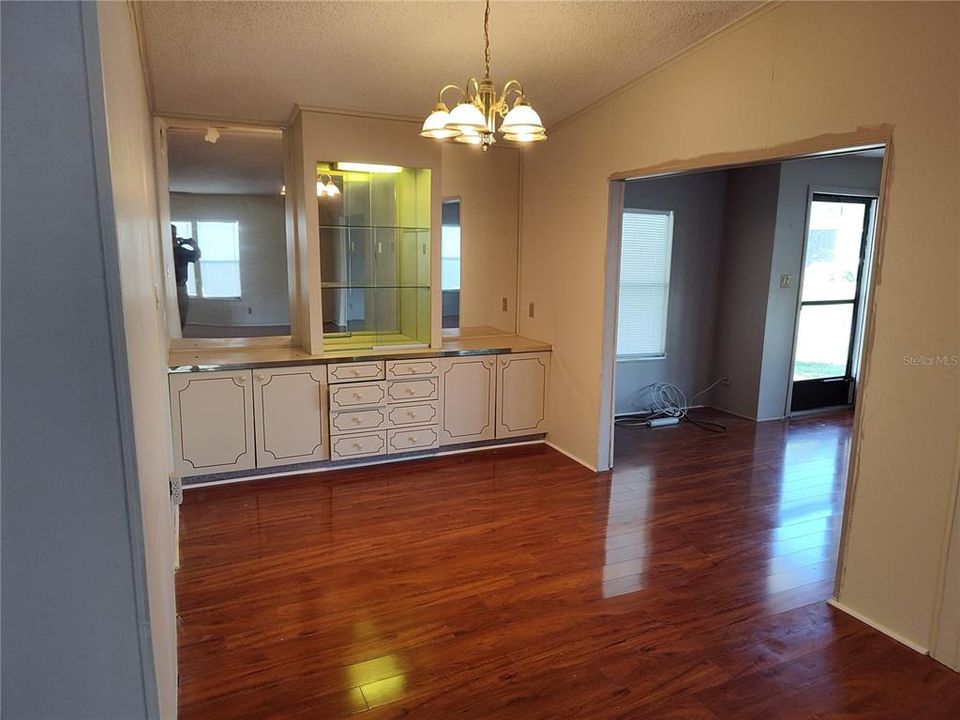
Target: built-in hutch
(362, 371)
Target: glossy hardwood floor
(688, 583)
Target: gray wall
(71, 622)
(697, 202)
(749, 225)
(853, 174)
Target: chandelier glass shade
(474, 118)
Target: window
(646, 242)
(449, 257)
(219, 273)
(450, 246)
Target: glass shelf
(353, 286)
(404, 228)
(375, 245)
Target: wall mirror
(479, 240)
(227, 241)
(374, 255)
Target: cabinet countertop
(201, 360)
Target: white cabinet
(468, 392)
(271, 417)
(522, 382)
(212, 422)
(404, 411)
(397, 369)
(290, 409)
(346, 447)
(354, 372)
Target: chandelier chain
(486, 39)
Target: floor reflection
(519, 584)
(762, 503)
(626, 538)
(812, 479)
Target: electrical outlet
(504, 304)
(530, 310)
(725, 381)
(785, 280)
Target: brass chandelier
(473, 119)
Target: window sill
(640, 358)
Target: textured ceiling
(254, 60)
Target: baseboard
(573, 457)
(833, 602)
(640, 414)
(385, 460)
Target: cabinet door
(468, 392)
(290, 406)
(522, 381)
(212, 422)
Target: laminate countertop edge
(188, 361)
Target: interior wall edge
(945, 625)
(118, 349)
(750, 17)
(922, 649)
(572, 456)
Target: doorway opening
(737, 303)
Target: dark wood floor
(689, 583)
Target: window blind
(644, 283)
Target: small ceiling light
(212, 135)
(474, 118)
(326, 187)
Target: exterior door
(830, 294)
(468, 399)
(212, 422)
(291, 410)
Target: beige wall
(788, 73)
(129, 129)
(331, 137)
(488, 185)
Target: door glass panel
(832, 256)
(823, 341)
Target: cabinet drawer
(397, 369)
(349, 421)
(355, 372)
(413, 414)
(409, 439)
(403, 390)
(356, 395)
(352, 446)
